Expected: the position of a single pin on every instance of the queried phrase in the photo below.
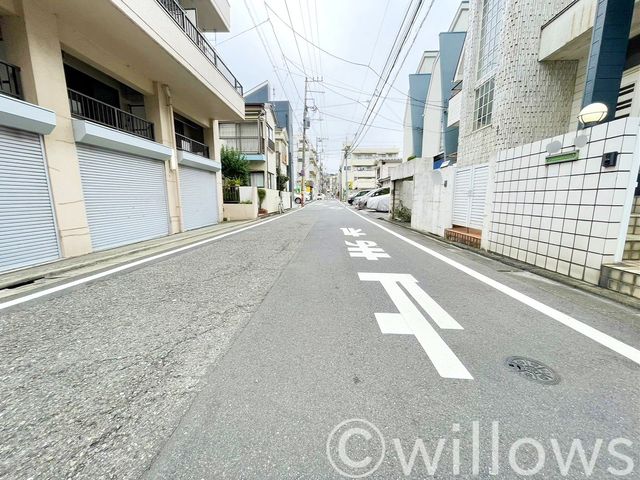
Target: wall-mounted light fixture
(593, 114)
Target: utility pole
(319, 160)
(306, 123)
(347, 149)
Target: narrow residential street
(249, 357)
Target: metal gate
(28, 234)
(125, 197)
(470, 194)
(199, 195)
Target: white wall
(432, 200)
(570, 217)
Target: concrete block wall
(570, 217)
(432, 198)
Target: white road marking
(353, 232)
(393, 324)
(566, 320)
(444, 360)
(121, 268)
(366, 249)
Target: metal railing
(231, 194)
(456, 89)
(88, 108)
(180, 17)
(190, 145)
(10, 80)
(246, 145)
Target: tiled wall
(532, 99)
(569, 217)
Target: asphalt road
(252, 357)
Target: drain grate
(533, 370)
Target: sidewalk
(29, 280)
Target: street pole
(305, 120)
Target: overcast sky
(361, 31)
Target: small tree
(235, 166)
(262, 193)
(281, 180)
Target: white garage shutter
(462, 187)
(125, 197)
(198, 190)
(27, 227)
(478, 196)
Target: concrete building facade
(528, 182)
(111, 111)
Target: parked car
(379, 203)
(362, 201)
(320, 196)
(298, 199)
(355, 195)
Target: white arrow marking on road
(366, 249)
(353, 232)
(588, 331)
(411, 321)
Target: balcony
(179, 16)
(10, 80)
(186, 144)
(87, 108)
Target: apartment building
(365, 166)
(109, 116)
(311, 170)
(283, 112)
(529, 181)
(255, 138)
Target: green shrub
(262, 193)
(402, 213)
(235, 166)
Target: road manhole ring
(533, 370)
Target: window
(243, 137)
(483, 109)
(489, 36)
(257, 179)
(272, 181)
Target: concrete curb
(572, 282)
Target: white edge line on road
(586, 330)
(127, 266)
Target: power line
(396, 50)
(241, 33)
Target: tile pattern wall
(564, 217)
(533, 99)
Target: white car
(320, 196)
(363, 202)
(379, 203)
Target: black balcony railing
(231, 194)
(10, 80)
(180, 17)
(88, 108)
(189, 145)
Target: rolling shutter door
(125, 197)
(479, 186)
(462, 187)
(198, 191)
(27, 226)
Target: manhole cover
(533, 370)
